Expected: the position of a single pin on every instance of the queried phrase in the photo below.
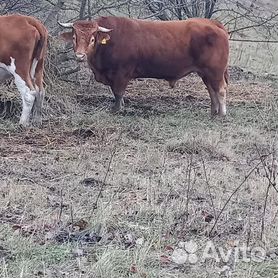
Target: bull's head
(85, 36)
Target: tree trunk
(82, 12)
(51, 20)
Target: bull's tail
(220, 25)
(226, 76)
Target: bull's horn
(66, 25)
(105, 30)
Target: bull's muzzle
(80, 57)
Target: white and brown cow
(23, 44)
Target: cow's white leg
(27, 95)
(28, 98)
(37, 109)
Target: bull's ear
(103, 38)
(67, 36)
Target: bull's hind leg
(213, 97)
(220, 88)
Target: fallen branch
(95, 205)
(208, 187)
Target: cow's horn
(105, 30)
(66, 25)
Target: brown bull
(23, 43)
(120, 49)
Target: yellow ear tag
(104, 41)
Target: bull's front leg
(119, 103)
(118, 89)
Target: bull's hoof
(24, 123)
(37, 124)
(172, 84)
(117, 106)
(37, 121)
(20, 128)
(217, 115)
(222, 113)
(115, 109)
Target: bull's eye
(74, 38)
(92, 40)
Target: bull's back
(158, 49)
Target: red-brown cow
(23, 43)
(121, 49)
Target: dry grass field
(259, 58)
(93, 194)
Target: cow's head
(85, 36)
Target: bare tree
(27, 7)
(241, 18)
(52, 17)
(82, 11)
(181, 9)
